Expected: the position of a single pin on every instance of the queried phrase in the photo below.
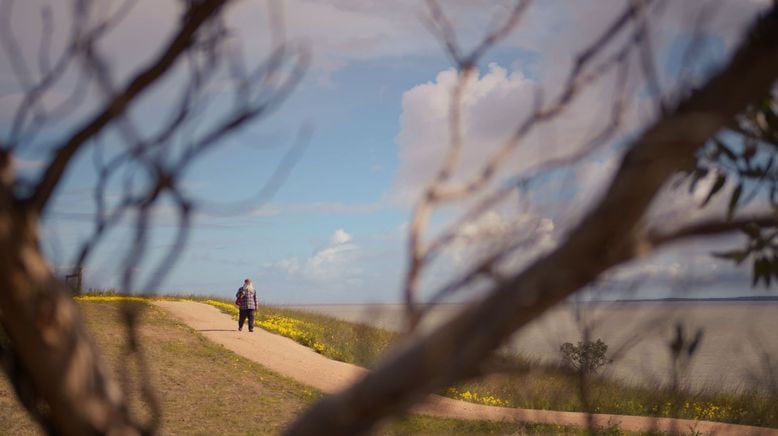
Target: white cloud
(493, 107)
(333, 267)
(520, 235)
(493, 230)
(340, 237)
(497, 101)
(491, 104)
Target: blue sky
(335, 231)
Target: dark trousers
(246, 313)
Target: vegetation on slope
(520, 382)
(206, 389)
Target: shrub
(586, 356)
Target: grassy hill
(206, 389)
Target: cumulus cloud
(340, 237)
(493, 107)
(491, 104)
(499, 98)
(332, 267)
(493, 230)
(496, 102)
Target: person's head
(247, 284)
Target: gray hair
(247, 285)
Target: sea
(737, 349)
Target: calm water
(739, 339)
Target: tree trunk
(53, 354)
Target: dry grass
(204, 388)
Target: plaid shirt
(248, 299)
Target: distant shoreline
(744, 299)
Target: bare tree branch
(466, 66)
(70, 384)
(196, 16)
(453, 351)
(586, 70)
(709, 227)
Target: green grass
(539, 387)
(425, 425)
(206, 389)
(347, 342)
(200, 384)
(525, 384)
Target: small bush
(586, 356)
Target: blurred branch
(154, 154)
(611, 228)
(581, 75)
(647, 61)
(82, 36)
(267, 190)
(39, 314)
(710, 227)
(197, 14)
(443, 29)
(440, 25)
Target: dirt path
(302, 364)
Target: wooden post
(75, 280)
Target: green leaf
(724, 149)
(752, 230)
(763, 270)
(733, 200)
(770, 117)
(767, 272)
(717, 185)
(774, 266)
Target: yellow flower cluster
(226, 307)
(631, 406)
(699, 410)
(473, 397)
(297, 330)
(109, 298)
(707, 411)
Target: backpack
(239, 297)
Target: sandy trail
(302, 364)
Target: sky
(375, 97)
